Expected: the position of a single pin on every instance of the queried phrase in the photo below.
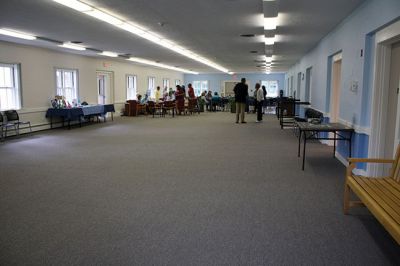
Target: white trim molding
(358, 129)
(381, 65)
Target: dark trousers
(259, 106)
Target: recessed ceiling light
(72, 46)
(270, 23)
(269, 41)
(109, 54)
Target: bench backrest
(395, 171)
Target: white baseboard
(360, 172)
(341, 159)
(346, 163)
(327, 142)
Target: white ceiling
(210, 28)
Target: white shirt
(260, 95)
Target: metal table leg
(304, 150)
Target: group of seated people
(178, 97)
(181, 98)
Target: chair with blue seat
(13, 119)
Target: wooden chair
(155, 108)
(141, 109)
(381, 195)
(169, 107)
(192, 106)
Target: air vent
(248, 35)
(76, 42)
(253, 52)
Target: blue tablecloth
(77, 112)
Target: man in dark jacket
(241, 93)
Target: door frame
(334, 59)
(112, 83)
(381, 66)
(307, 90)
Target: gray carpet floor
(194, 190)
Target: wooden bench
(381, 195)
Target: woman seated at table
(216, 100)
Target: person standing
(158, 94)
(241, 91)
(191, 91)
(265, 98)
(260, 102)
(180, 99)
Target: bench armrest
(369, 160)
(354, 161)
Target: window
(272, 87)
(67, 84)
(165, 83)
(10, 97)
(131, 87)
(200, 86)
(151, 87)
(177, 82)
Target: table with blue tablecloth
(78, 113)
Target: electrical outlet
(354, 86)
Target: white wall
(38, 77)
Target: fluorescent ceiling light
(152, 63)
(231, 73)
(110, 54)
(269, 41)
(72, 46)
(270, 23)
(132, 28)
(78, 6)
(143, 33)
(268, 59)
(17, 34)
(104, 17)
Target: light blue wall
(354, 34)
(216, 81)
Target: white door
(105, 88)
(307, 97)
(298, 95)
(392, 136)
(335, 89)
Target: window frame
(75, 79)
(135, 86)
(198, 91)
(152, 89)
(267, 84)
(16, 86)
(166, 83)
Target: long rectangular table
(311, 131)
(77, 113)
